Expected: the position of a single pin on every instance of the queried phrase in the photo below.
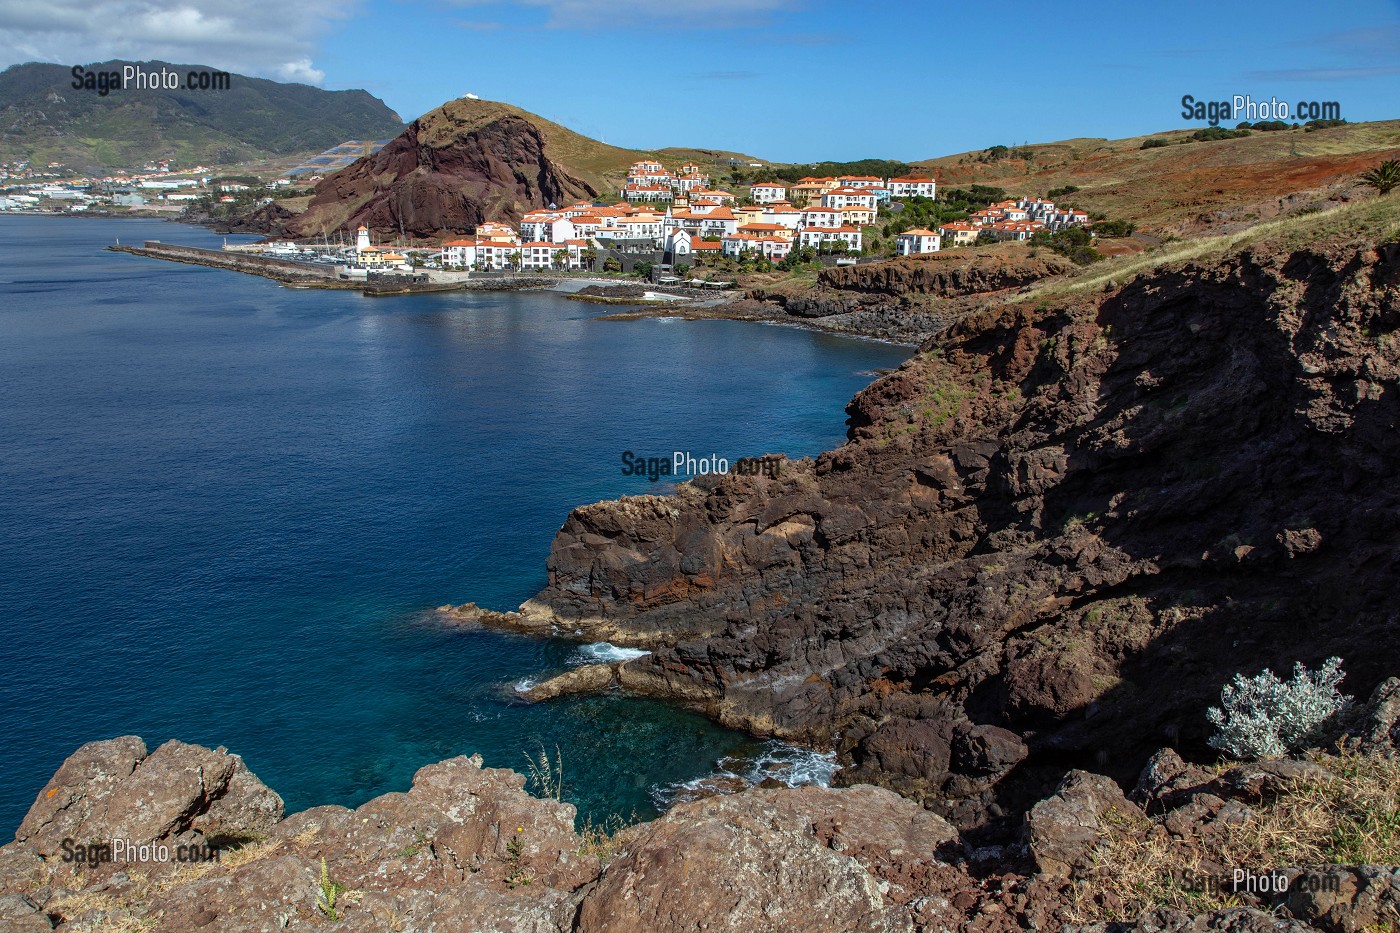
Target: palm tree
(1384, 177)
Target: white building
(648, 192)
(849, 197)
(815, 237)
(767, 192)
(959, 233)
(916, 242)
(913, 186)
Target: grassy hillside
(44, 119)
(1171, 187)
(601, 165)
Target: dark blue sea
(227, 509)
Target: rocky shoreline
(1042, 513)
(1050, 539)
(185, 838)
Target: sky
(781, 80)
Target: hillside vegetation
(44, 119)
(1186, 184)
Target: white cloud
(259, 37)
(301, 72)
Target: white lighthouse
(361, 239)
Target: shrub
(1264, 717)
(1212, 133)
(1385, 177)
(1154, 143)
(1115, 228)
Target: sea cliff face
(1051, 537)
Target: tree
(1385, 177)
(611, 264)
(516, 258)
(561, 259)
(590, 258)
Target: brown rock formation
(1072, 522)
(946, 275)
(465, 848)
(464, 163)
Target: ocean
(227, 509)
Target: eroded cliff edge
(1051, 537)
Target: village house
(782, 213)
(860, 181)
(859, 216)
(773, 248)
(691, 182)
(1015, 229)
(636, 191)
(459, 252)
(959, 233)
(767, 192)
(916, 242)
(912, 186)
(721, 197)
(819, 217)
(848, 197)
(810, 189)
(816, 237)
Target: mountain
(43, 118)
(466, 162)
(470, 161)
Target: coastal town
(678, 220)
(678, 214)
(157, 188)
(674, 218)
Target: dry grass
(1377, 218)
(1171, 185)
(603, 839)
(1349, 817)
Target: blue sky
(789, 80)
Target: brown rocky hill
(466, 162)
(1186, 186)
(1052, 535)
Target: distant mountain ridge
(45, 119)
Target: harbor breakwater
(306, 275)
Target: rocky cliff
(464, 163)
(946, 275)
(1051, 537)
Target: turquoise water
(227, 507)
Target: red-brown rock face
(1073, 522)
(449, 171)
